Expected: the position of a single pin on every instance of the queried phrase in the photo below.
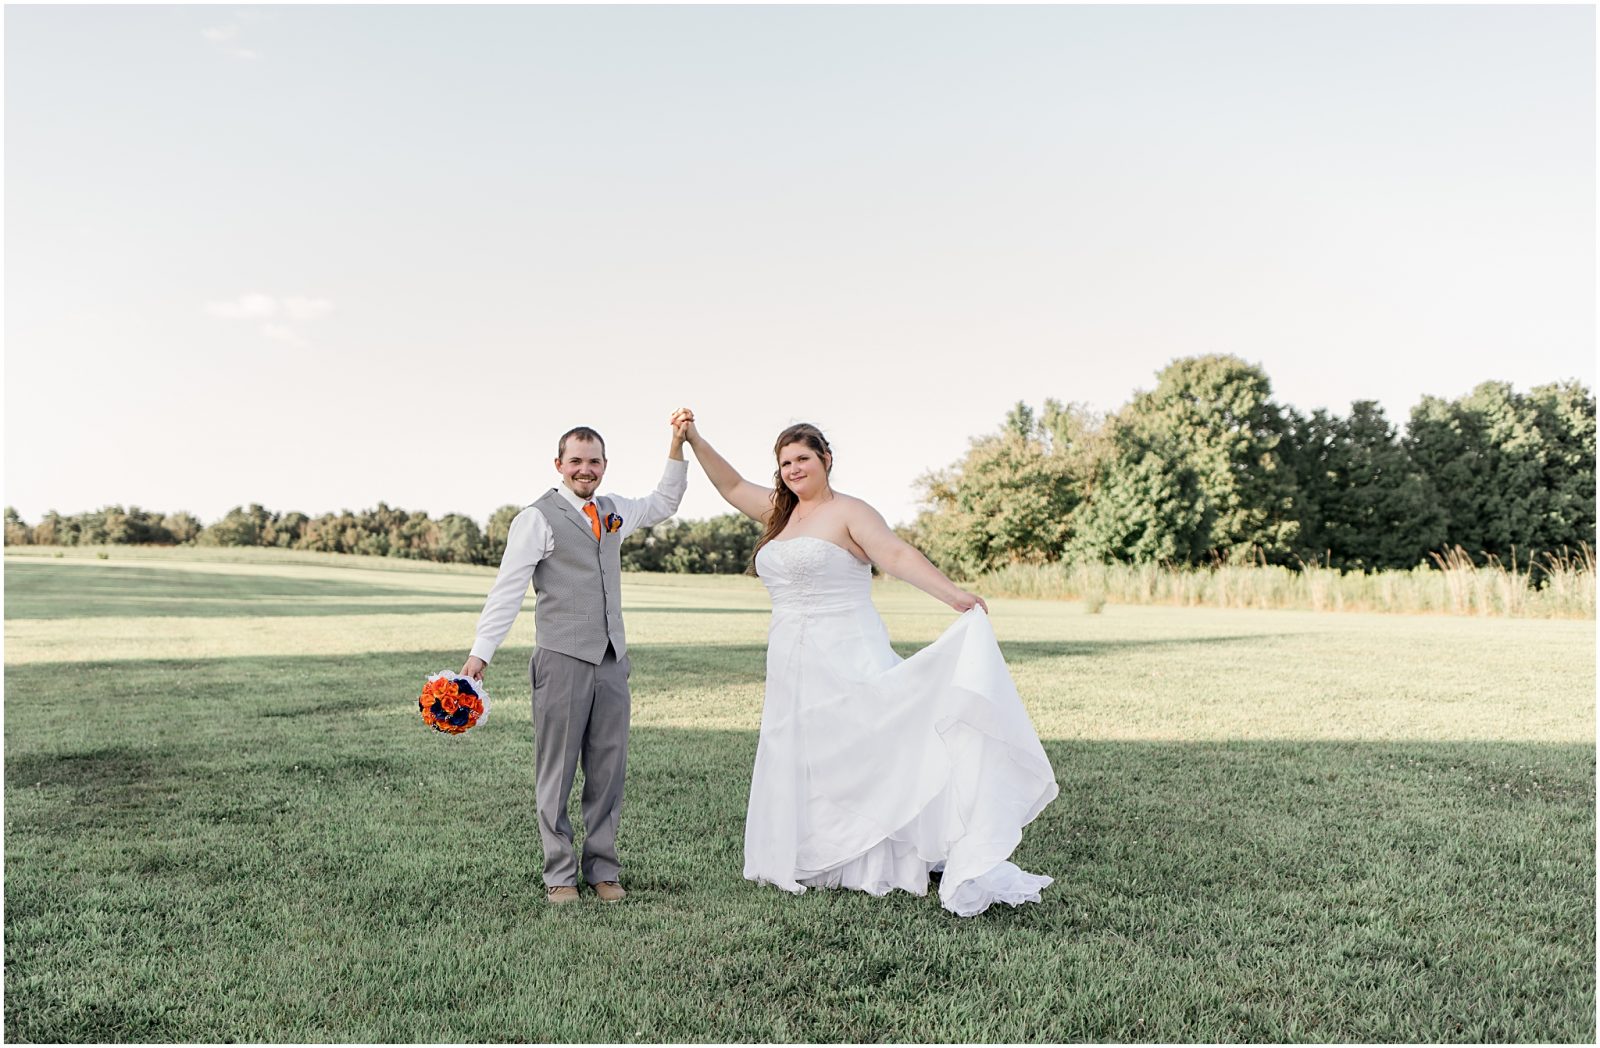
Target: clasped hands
(682, 422)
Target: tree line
(1203, 469)
(722, 544)
(1206, 468)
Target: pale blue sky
(318, 257)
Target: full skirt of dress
(872, 771)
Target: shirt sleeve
(659, 504)
(529, 541)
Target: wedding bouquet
(453, 703)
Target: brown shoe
(560, 894)
(609, 891)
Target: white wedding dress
(872, 771)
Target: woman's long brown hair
(783, 500)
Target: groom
(569, 542)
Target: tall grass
(1549, 586)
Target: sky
(321, 257)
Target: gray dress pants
(580, 714)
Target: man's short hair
(582, 433)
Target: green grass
(224, 821)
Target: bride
(873, 772)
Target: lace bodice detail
(812, 574)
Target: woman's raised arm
(752, 500)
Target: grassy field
(225, 821)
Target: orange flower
(444, 699)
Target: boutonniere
(613, 523)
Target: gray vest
(579, 585)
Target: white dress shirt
(531, 540)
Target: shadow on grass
(193, 850)
(1018, 652)
(47, 591)
(94, 770)
(1410, 891)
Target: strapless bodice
(808, 574)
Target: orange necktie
(594, 517)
